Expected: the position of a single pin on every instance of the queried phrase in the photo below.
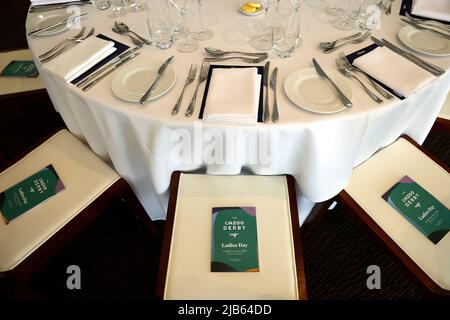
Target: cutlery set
(216, 55)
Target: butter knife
(48, 7)
(345, 101)
(416, 60)
(116, 66)
(423, 27)
(273, 85)
(161, 70)
(266, 113)
(37, 31)
(119, 58)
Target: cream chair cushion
(84, 176)
(15, 85)
(373, 178)
(188, 274)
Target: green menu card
(420, 208)
(20, 69)
(28, 193)
(234, 246)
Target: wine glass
(116, 9)
(186, 44)
(345, 16)
(297, 5)
(265, 40)
(135, 5)
(203, 33)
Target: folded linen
(433, 9)
(398, 73)
(83, 56)
(233, 96)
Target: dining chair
(10, 86)
(429, 263)
(90, 186)
(185, 265)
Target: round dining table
(318, 150)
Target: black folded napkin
(120, 48)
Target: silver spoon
(218, 52)
(122, 27)
(135, 41)
(332, 44)
(357, 40)
(245, 59)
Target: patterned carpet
(119, 259)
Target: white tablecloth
(318, 150)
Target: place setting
(427, 28)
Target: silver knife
(55, 6)
(118, 65)
(160, 72)
(345, 101)
(266, 111)
(37, 31)
(119, 58)
(416, 60)
(423, 27)
(273, 84)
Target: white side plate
(45, 20)
(310, 92)
(424, 41)
(132, 81)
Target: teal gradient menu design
(234, 246)
(420, 208)
(29, 193)
(20, 69)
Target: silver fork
(388, 7)
(202, 77)
(63, 43)
(70, 45)
(189, 79)
(357, 40)
(352, 68)
(348, 73)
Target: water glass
(101, 4)
(286, 37)
(160, 22)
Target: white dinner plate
(424, 41)
(310, 92)
(45, 20)
(132, 81)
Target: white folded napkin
(233, 96)
(43, 2)
(433, 9)
(393, 70)
(83, 56)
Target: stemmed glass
(187, 44)
(344, 17)
(264, 41)
(203, 33)
(297, 4)
(135, 5)
(117, 9)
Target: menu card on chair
(420, 208)
(29, 193)
(234, 246)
